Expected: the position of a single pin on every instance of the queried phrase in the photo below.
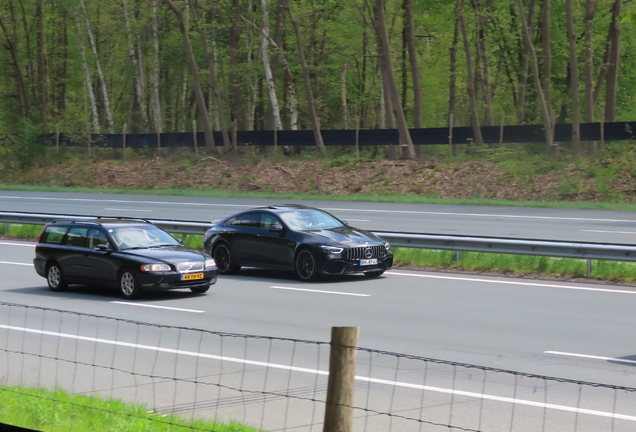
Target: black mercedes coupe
(294, 237)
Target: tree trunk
(481, 60)
(235, 77)
(415, 70)
(196, 80)
(343, 95)
(590, 9)
(12, 46)
(154, 76)
(271, 84)
(42, 72)
(574, 81)
(398, 112)
(87, 77)
(614, 61)
(308, 91)
(452, 87)
(61, 67)
(98, 67)
(523, 73)
(137, 71)
(545, 110)
(216, 91)
(472, 94)
(547, 64)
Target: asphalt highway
(516, 222)
(579, 331)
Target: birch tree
(100, 76)
(139, 93)
(87, 76)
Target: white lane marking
(133, 210)
(15, 263)
(332, 209)
(17, 244)
(158, 307)
(609, 232)
(326, 373)
(515, 283)
(320, 291)
(593, 357)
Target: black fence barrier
(615, 131)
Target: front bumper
(342, 266)
(163, 281)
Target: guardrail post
(342, 369)
(589, 267)
(6, 228)
(458, 255)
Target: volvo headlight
(209, 263)
(331, 249)
(155, 267)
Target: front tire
(224, 259)
(128, 285)
(55, 278)
(307, 266)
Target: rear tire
(374, 274)
(307, 266)
(128, 285)
(224, 259)
(55, 278)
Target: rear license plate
(366, 262)
(192, 276)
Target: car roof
(105, 222)
(286, 207)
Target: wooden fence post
(340, 389)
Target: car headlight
(387, 246)
(209, 263)
(155, 267)
(332, 249)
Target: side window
(54, 234)
(251, 220)
(268, 220)
(97, 237)
(76, 236)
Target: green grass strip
(59, 411)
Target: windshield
(310, 220)
(142, 236)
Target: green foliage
(27, 149)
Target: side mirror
(180, 240)
(277, 228)
(345, 222)
(103, 247)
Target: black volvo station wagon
(304, 239)
(132, 255)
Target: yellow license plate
(192, 276)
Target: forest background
(85, 67)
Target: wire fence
(276, 384)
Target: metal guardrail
(459, 243)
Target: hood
(348, 236)
(173, 254)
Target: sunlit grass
(59, 411)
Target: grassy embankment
(615, 271)
(57, 411)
